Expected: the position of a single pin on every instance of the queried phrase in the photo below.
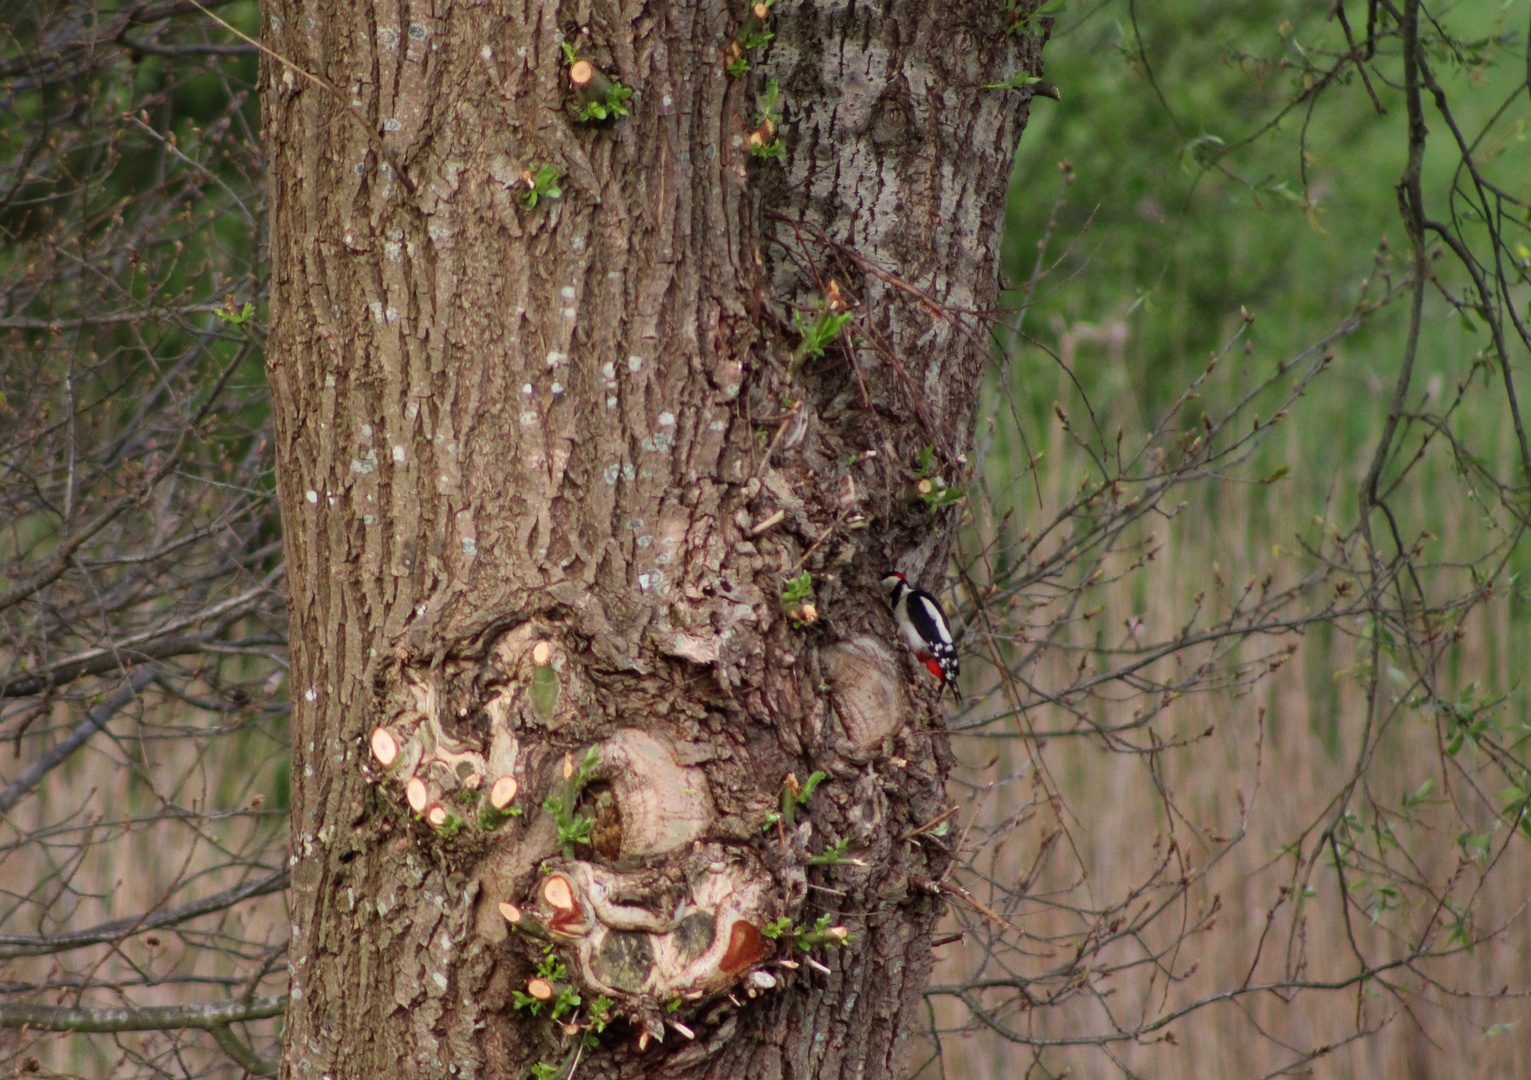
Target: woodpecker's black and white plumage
(925, 629)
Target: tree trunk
(547, 473)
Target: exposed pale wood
(557, 892)
(384, 747)
(503, 793)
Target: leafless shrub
(1130, 790)
(142, 656)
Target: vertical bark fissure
(575, 423)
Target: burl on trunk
(611, 344)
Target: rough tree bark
(546, 472)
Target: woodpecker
(925, 629)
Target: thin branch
(234, 1047)
(96, 661)
(94, 721)
(188, 50)
(206, 1017)
(17, 945)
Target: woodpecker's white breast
(906, 626)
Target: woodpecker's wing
(934, 616)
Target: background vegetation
(142, 655)
(1242, 784)
(1271, 828)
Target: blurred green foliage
(1216, 163)
(1210, 161)
(1201, 186)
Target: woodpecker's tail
(934, 667)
